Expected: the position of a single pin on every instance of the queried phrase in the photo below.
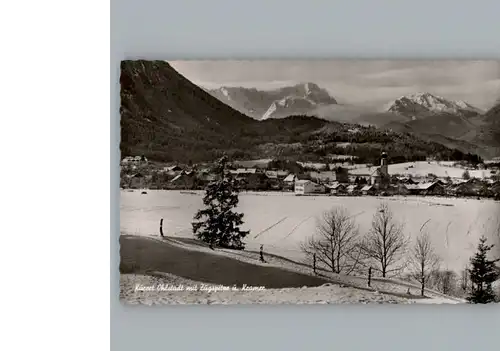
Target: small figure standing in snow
(262, 253)
(314, 263)
(161, 227)
(408, 292)
(370, 276)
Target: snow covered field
(281, 221)
(421, 169)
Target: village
(335, 180)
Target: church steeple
(383, 165)
(383, 159)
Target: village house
(184, 180)
(244, 173)
(172, 170)
(338, 174)
(271, 175)
(336, 188)
(257, 181)
(472, 187)
(434, 188)
(429, 188)
(368, 190)
(454, 184)
(399, 189)
(323, 177)
(282, 174)
(204, 176)
(134, 160)
(352, 189)
(272, 178)
(303, 187)
(403, 180)
(289, 181)
(253, 179)
(127, 160)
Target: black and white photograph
(309, 182)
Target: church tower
(384, 171)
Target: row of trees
(338, 245)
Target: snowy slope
(165, 288)
(423, 168)
(163, 292)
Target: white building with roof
(303, 187)
(290, 178)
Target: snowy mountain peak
(421, 102)
(313, 92)
(298, 98)
(310, 87)
(296, 104)
(225, 92)
(464, 105)
(270, 111)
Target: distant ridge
(300, 98)
(418, 104)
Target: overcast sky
(359, 82)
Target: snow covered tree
(217, 224)
(385, 244)
(424, 260)
(483, 273)
(335, 244)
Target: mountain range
(422, 104)
(457, 124)
(166, 117)
(279, 103)
(453, 123)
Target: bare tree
(385, 244)
(496, 238)
(444, 281)
(424, 260)
(464, 280)
(335, 243)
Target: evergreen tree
(483, 273)
(466, 175)
(217, 223)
